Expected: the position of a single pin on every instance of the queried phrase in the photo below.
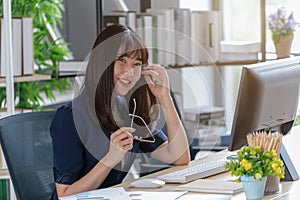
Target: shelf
(34, 77)
(219, 64)
(4, 173)
(68, 74)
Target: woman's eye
(138, 64)
(122, 60)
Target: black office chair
(27, 147)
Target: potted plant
(47, 52)
(282, 26)
(252, 166)
(297, 120)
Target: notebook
(212, 186)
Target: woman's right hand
(121, 141)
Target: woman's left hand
(157, 78)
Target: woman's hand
(121, 141)
(158, 80)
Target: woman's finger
(123, 136)
(150, 72)
(149, 80)
(153, 67)
(126, 142)
(119, 131)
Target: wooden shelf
(4, 173)
(219, 64)
(34, 77)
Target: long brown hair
(99, 84)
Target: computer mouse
(147, 183)
(232, 157)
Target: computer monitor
(267, 99)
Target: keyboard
(195, 172)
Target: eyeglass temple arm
(134, 108)
(132, 115)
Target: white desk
(289, 190)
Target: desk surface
(289, 190)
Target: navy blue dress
(79, 144)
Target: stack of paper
(212, 186)
(239, 50)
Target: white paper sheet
(141, 195)
(101, 194)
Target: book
(16, 48)
(165, 34)
(211, 186)
(27, 40)
(147, 26)
(129, 16)
(205, 34)
(197, 37)
(182, 36)
(4, 189)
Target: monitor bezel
(260, 74)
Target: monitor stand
(290, 172)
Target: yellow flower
(248, 166)
(243, 162)
(257, 176)
(238, 180)
(274, 166)
(280, 163)
(273, 152)
(278, 170)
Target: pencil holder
(272, 185)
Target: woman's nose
(129, 69)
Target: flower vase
(283, 45)
(253, 188)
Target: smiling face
(127, 71)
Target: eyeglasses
(138, 137)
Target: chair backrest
(27, 147)
(150, 165)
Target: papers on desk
(120, 194)
(101, 194)
(197, 196)
(212, 186)
(142, 195)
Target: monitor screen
(267, 99)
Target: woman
(97, 135)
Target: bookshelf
(34, 77)
(217, 6)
